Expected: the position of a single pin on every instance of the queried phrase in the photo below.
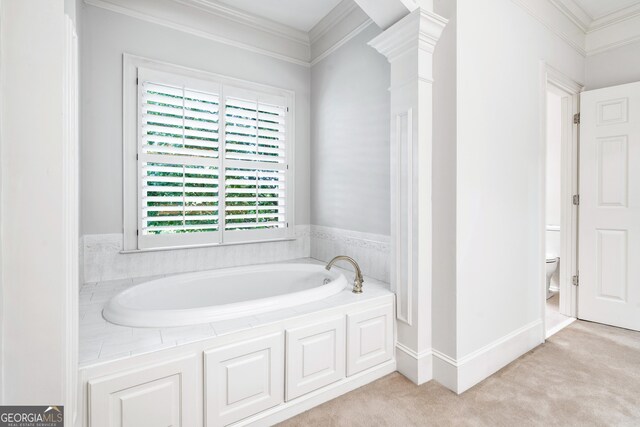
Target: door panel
(609, 236)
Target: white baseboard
(560, 326)
(371, 251)
(445, 370)
(418, 367)
(318, 397)
(462, 374)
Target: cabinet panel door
(163, 395)
(315, 356)
(369, 338)
(243, 379)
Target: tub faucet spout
(357, 282)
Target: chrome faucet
(357, 282)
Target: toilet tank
(553, 241)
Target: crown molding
(556, 20)
(342, 41)
(574, 12)
(219, 24)
(615, 18)
(343, 23)
(420, 29)
(248, 19)
(590, 24)
(326, 24)
(604, 33)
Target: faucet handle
(357, 285)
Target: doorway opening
(560, 213)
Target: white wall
(499, 171)
(106, 36)
(554, 146)
(614, 67)
(350, 138)
(33, 278)
(444, 183)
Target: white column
(409, 46)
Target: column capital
(420, 29)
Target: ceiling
(302, 15)
(597, 9)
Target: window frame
(132, 137)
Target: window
(212, 161)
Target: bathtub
(214, 295)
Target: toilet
(552, 266)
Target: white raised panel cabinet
(163, 395)
(369, 338)
(243, 379)
(315, 356)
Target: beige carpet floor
(585, 375)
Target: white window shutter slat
(200, 183)
(179, 164)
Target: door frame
(552, 78)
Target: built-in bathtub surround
(254, 370)
(371, 251)
(104, 259)
(102, 341)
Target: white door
(609, 237)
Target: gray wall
(613, 67)
(106, 36)
(350, 138)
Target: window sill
(209, 245)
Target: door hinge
(137, 81)
(137, 232)
(576, 199)
(576, 119)
(575, 280)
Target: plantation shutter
(256, 170)
(212, 162)
(178, 160)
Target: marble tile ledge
(101, 341)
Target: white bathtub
(215, 295)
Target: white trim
(326, 24)
(254, 21)
(569, 186)
(588, 23)
(535, 9)
(463, 373)
(70, 167)
(342, 41)
(559, 327)
(145, 16)
(418, 367)
(574, 12)
(615, 17)
(598, 35)
(208, 245)
(132, 67)
(484, 362)
(615, 45)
